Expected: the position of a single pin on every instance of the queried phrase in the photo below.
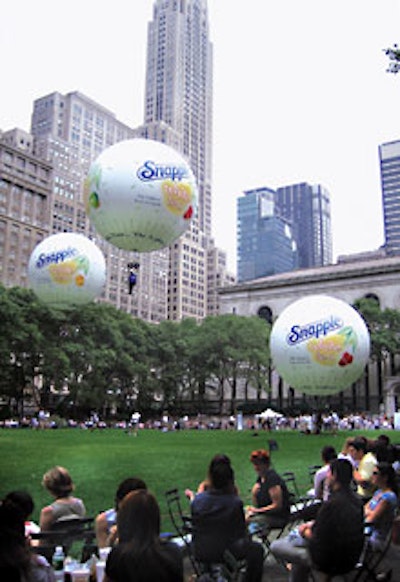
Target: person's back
(337, 534)
(218, 522)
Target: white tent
(269, 413)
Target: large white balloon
(66, 270)
(140, 195)
(319, 345)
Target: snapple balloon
(319, 345)
(140, 195)
(66, 270)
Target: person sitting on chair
(59, 484)
(381, 509)
(362, 474)
(321, 489)
(140, 555)
(270, 496)
(331, 544)
(105, 524)
(17, 562)
(219, 523)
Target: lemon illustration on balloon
(70, 271)
(177, 198)
(334, 349)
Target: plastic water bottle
(58, 563)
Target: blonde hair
(58, 482)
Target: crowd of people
(305, 423)
(355, 490)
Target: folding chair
(302, 508)
(182, 524)
(312, 469)
(371, 557)
(66, 532)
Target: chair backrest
(180, 520)
(312, 469)
(65, 532)
(290, 480)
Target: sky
(301, 92)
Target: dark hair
(221, 474)
(126, 486)
(14, 552)
(328, 453)
(386, 470)
(23, 500)
(342, 470)
(360, 444)
(138, 518)
(139, 555)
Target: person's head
(14, 552)
(261, 460)
(23, 500)
(358, 448)
(220, 473)
(340, 474)
(384, 476)
(126, 486)
(138, 518)
(328, 453)
(58, 482)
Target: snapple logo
(55, 257)
(301, 333)
(152, 171)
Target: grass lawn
(99, 460)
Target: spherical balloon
(319, 345)
(66, 270)
(140, 195)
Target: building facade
(25, 193)
(307, 208)
(264, 239)
(70, 131)
(363, 275)
(389, 157)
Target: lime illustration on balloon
(91, 187)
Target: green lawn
(99, 460)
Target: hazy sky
(300, 91)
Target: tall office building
(179, 96)
(264, 238)
(25, 192)
(389, 156)
(70, 131)
(307, 208)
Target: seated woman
(219, 523)
(140, 555)
(17, 562)
(59, 484)
(270, 496)
(380, 511)
(105, 524)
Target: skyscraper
(389, 156)
(307, 208)
(265, 242)
(178, 106)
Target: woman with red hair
(270, 497)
